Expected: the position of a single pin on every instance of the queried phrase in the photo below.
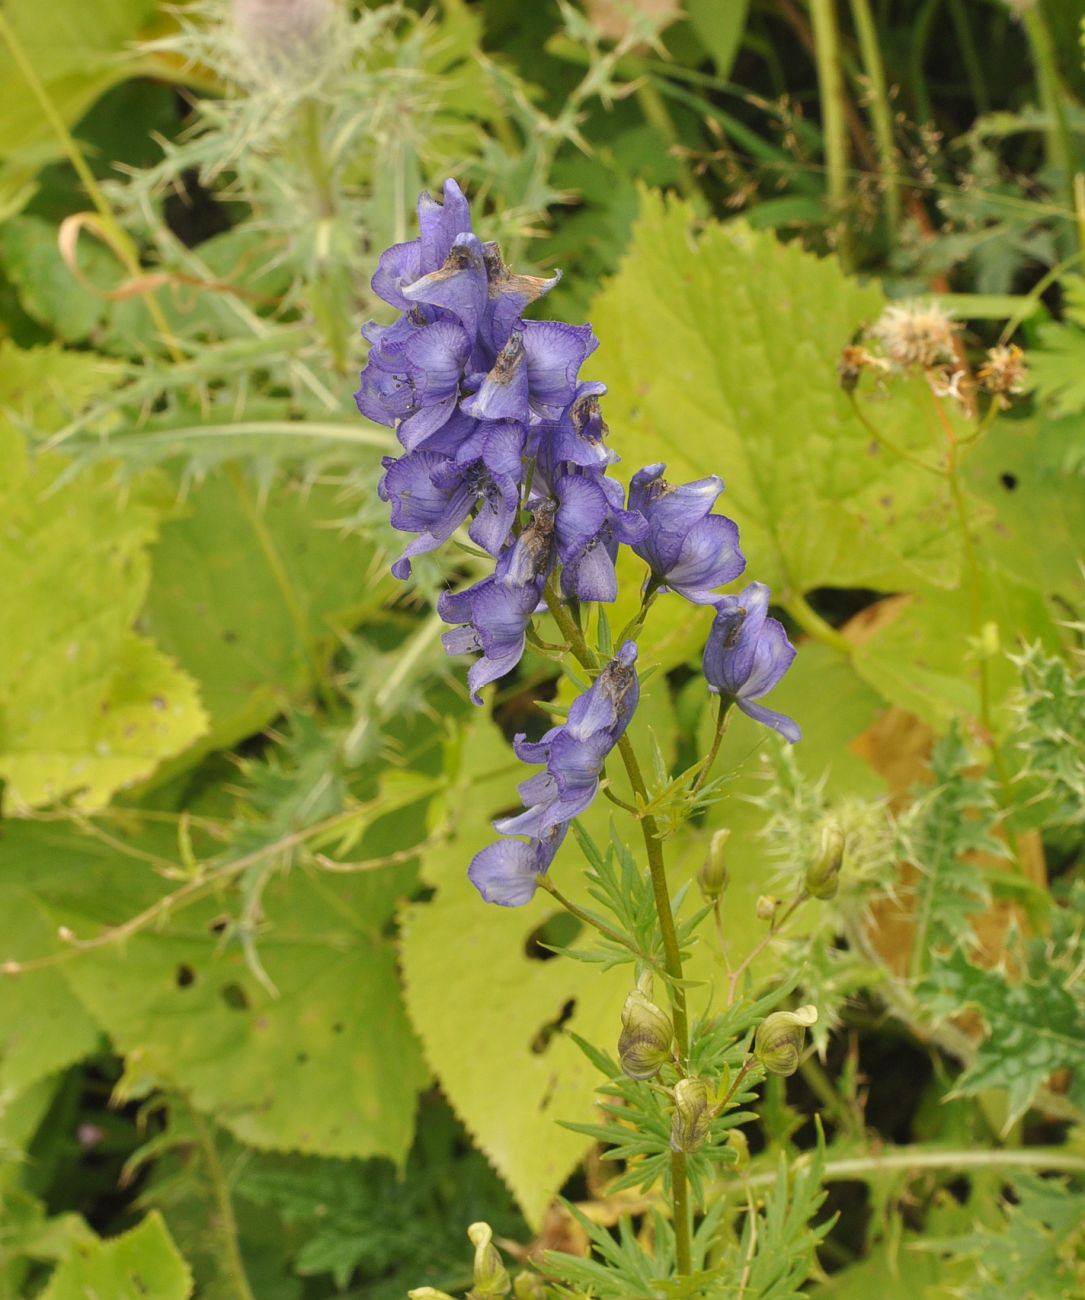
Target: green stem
(223, 1219)
(833, 117)
(654, 107)
(680, 1184)
(977, 81)
(815, 626)
(723, 718)
(117, 235)
(575, 910)
(1057, 133)
(881, 115)
(671, 951)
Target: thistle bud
(767, 906)
(822, 875)
(693, 1115)
(491, 1275)
(779, 1039)
(713, 876)
(645, 1040)
(528, 1286)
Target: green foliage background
(258, 1036)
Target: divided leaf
(138, 1264)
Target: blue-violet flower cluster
(502, 436)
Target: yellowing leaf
(720, 346)
(87, 707)
(139, 1264)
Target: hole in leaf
(185, 977)
(557, 931)
(337, 1028)
(235, 997)
(218, 924)
(546, 1033)
(1008, 481)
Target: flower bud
(713, 876)
(767, 907)
(427, 1293)
(491, 1275)
(645, 1041)
(528, 1286)
(779, 1039)
(693, 1115)
(822, 874)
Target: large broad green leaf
(324, 1063)
(250, 595)
(137, 1265)
(86, 705)
(77, 52)
(720, 347)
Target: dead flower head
(1003, 373)
(915, 334)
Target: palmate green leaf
(720, 347)
(87, 707)
(326, 1064)
(1057, 366)
(250, 596)
(1034, 1027)
(139, 1264)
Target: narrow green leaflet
(135, 1266)
(87, 706)
(1034, 1027)
(720, 351)
(1057, 366)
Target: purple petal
(398, 267)
(503, 394)
(459, 286)
(780, 722)
(440, 224)
(773, 656)
(555, 353)
(582, 511)
(507, 872)
(709, 558)
(590, 575)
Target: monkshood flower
(534, 374)
(574, 438)
(747, 654)
(507, 872)
(439, 225)
(688, 549)
(497, 610)
(575, 751)
(432, 494)
(412, 379)
(590, 525)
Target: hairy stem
(223, 1219)
(575, 910)
(723, 717)
(680, 1184)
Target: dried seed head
(287, 39)
(1003, 373)
(854, 359)
(915, 334)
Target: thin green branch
(834, 124)
(223, 1219)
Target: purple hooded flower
(590, 525)
(432, 493)
(575, 751)
(747, 654)
(458, 286)
(688, 549)
(507, 873)
(412, 379)
(439, 224)
(534, 373)
(497, 610)
(507, 296)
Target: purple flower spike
(688, 549)
(508, 294)
(402, 264)
(412, 379)
(507, 873)
(574, 752)
(747, 654)
(497, 610)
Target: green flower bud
(427, 1293)
(528, 1286)
(779, 1039)
(713, 876)
(491, 1275)
(736, 1140)
(693, 1115)
(821, 875)
(767, 907)
(645, 1041)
